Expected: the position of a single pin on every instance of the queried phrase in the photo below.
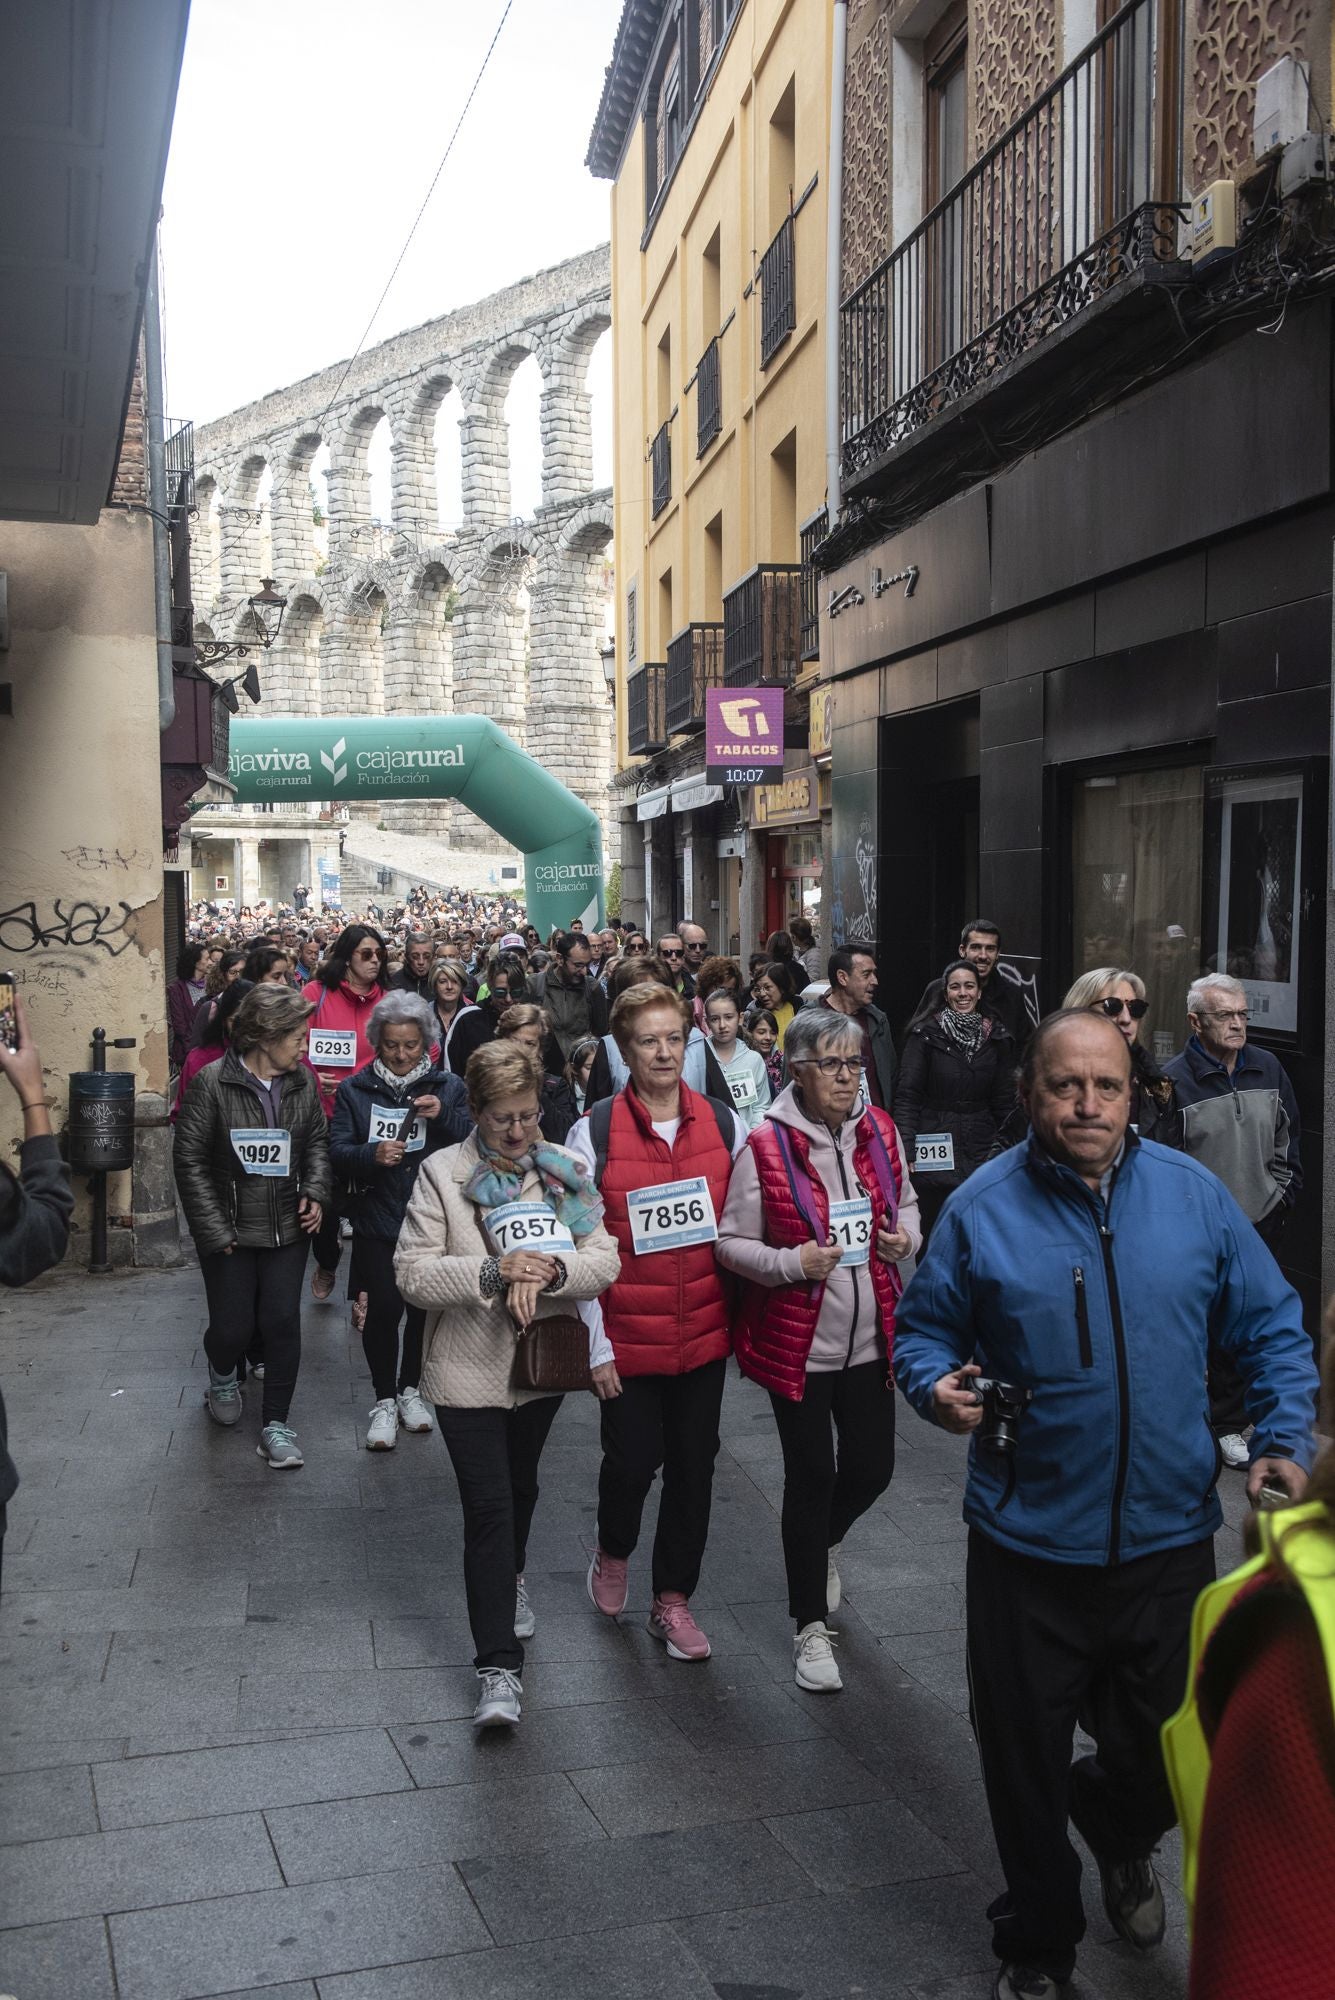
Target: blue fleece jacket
(1107, 1313)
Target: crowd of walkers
(608, 1162)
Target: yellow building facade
(714, 128)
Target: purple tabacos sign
(744, 735)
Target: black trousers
(256, 1294)
(373, 1273)
(495, 1457)
(327, 1240)
(669, 1421)
(824, 1490)
(1049, 1645)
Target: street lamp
(208, 652)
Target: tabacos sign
(743, 735)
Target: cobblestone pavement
(235, 1754)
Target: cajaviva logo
(337, 771)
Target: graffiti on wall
(73, 926)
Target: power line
(279, 484)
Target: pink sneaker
(607, 1584)
(670, 1620)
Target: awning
(653, 805)
(690, 794)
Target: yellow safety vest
(1310, 1559)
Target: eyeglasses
(1112, 1007)
(636, 950)
(501, 1122)
(830, 1065)
(665, 953)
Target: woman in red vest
(661, 1155)
(820, 1212)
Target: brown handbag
(552, 1354)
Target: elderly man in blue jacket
(1091, 1271)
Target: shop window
(1253, 890)
(1136, 846)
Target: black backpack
(600, 1125)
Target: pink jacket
(340, 1007)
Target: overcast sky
(306, 134)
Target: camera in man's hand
(1004, 1404)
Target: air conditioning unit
(1305, 163)
(1282, 99)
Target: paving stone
(254, 1647)
(559, 1739)
(57, 1961)
(65, 1611)
(647, 1964)
(222, 1946)
(676, 1793)
(859, 1847)
(356, 1698)
(502, 1816)
(574, 1890)
(145, 1791)
(39, 1805)
(134, 1869)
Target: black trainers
(1134, 1901)
(1025, 1982)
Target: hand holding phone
(21, 1062)
(9, 1020)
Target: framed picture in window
(1255, 909)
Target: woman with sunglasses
(1120, 996)
(344, 994)
(955, 1088)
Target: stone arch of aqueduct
(402, 618)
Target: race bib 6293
(333, 1048)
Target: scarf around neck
(967, 1031)
(497, 1178)
(397, 1083)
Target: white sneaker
(498, 1702)
(384, 1432)
(526, 1623)
(414, 1410)
(1233, 1447)
(813, 1659)
(834, 1590)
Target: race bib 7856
(671, 1216)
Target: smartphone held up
(9, 1013)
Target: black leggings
(823, 1494)
(327, 1239)
(373, 1273)
(669, 1421)
(257, 1293)
(495, 1457)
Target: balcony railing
(1067, 203)
(660, 456)
(814, 532)
(694, 663)
(762, 627)
(777, 296)
(708, 399)
(646, 729)
(179, 451)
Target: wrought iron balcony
(814, 532)
(762, 627)
(179, 452)
(660, 456)
(708, 399)
(778, 315)
(694, 663)
(1072, 200)
(646, 728)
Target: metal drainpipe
(834, 238)
(158, 497)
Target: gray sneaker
(222, 1398)
(278, 1443)
(498, 1703)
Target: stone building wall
(401, 618)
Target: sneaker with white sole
(813, 1659)
(384, 1432)
(670, 1620)
(526, 1623)
(278, 1443)
(1025, 1982)
(223, 1399)
(1234, 1450)
(322, 1285)
(415, 1411)
(498, 1703)
(834, 1589)
(607, 1581)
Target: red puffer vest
(778, 1323)
(666, 1313)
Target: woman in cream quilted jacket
(500, 1230)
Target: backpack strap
(886, 1169)
(600, 1126)
(723, 1117)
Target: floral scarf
(497, 1178)
(967, 1031)
(397, 1083)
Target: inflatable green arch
(464, 757)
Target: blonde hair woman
(454, 1259)
(1120, 997)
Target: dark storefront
(1100, 713)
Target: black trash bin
(100, 1132)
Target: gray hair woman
(458, 1257)
(820, 1212)
(390, 1116)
